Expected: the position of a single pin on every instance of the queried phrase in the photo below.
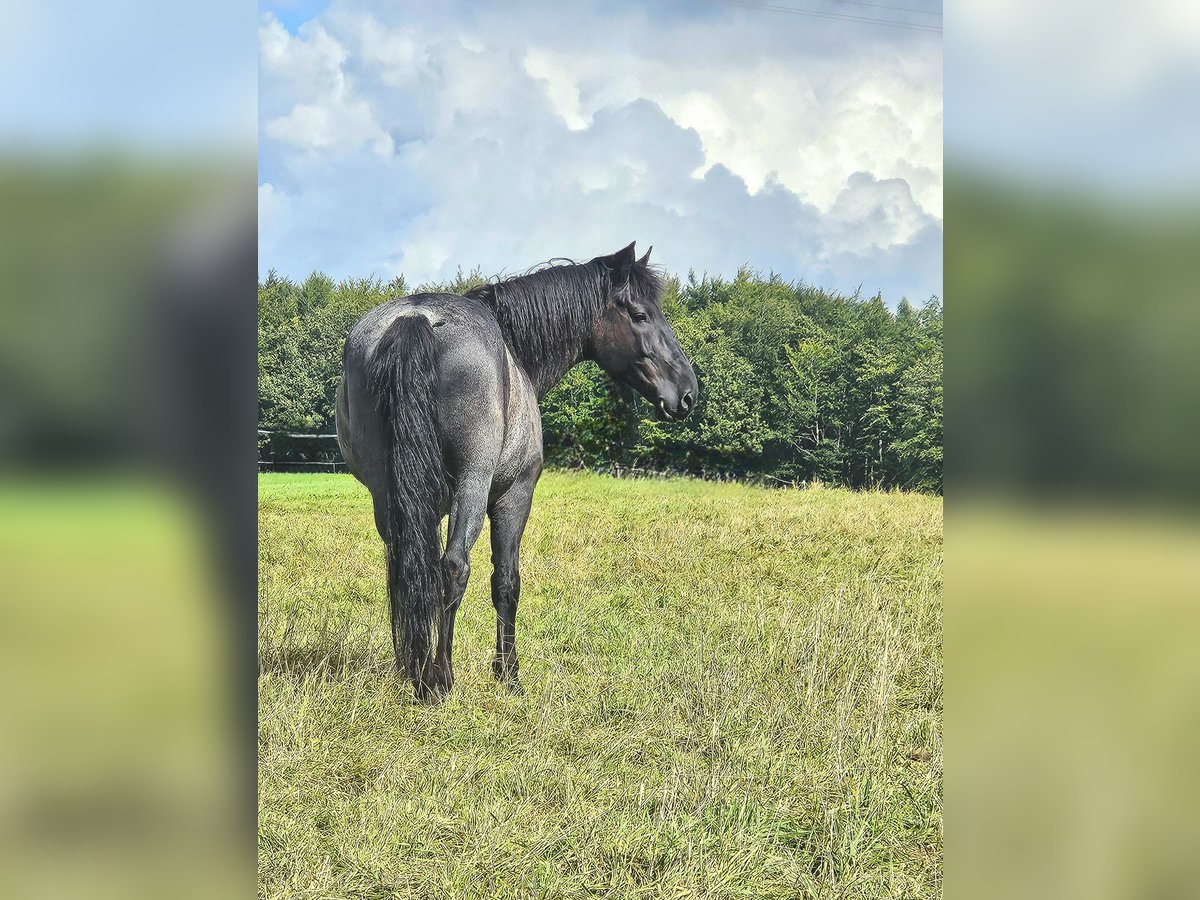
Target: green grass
(731, 692)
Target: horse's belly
(521, 455)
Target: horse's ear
(645, 260)
(626, 256)
(621, 263)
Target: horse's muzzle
(679, 410)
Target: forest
(798, 385)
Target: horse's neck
(544, 375)
(546, 366)
(547, 320)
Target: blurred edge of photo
(127, 493)
(1073, 389)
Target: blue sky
(293, 13)
(415, 138)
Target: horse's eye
(638, 317)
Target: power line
(923, 12)
(914, 26)
(891, 23)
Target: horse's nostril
(686, 400)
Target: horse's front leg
(509, 515)
(467, 510)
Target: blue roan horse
(437, 415)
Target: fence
(618, 470)
(288, 451)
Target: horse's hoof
(431, 693)
(507, 677)
(425, 696)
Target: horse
(437, 415)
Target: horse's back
(474, 389)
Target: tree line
(797, 384)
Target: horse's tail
(401, 379)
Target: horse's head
(633, 341)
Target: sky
(418, 138)
(128, 76)
(1091, 94)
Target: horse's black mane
(547, 315)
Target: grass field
(731, 692)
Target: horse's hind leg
(509, 515)
(467, 509)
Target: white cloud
(325, 114)
(306, 67)
(272, 210)
(439, 138)
(809, 125)
(344, 124)
(874, 213)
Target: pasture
(731, 692)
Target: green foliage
(588, 417)
(797, 384)
(301, 330)
(459, 284)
